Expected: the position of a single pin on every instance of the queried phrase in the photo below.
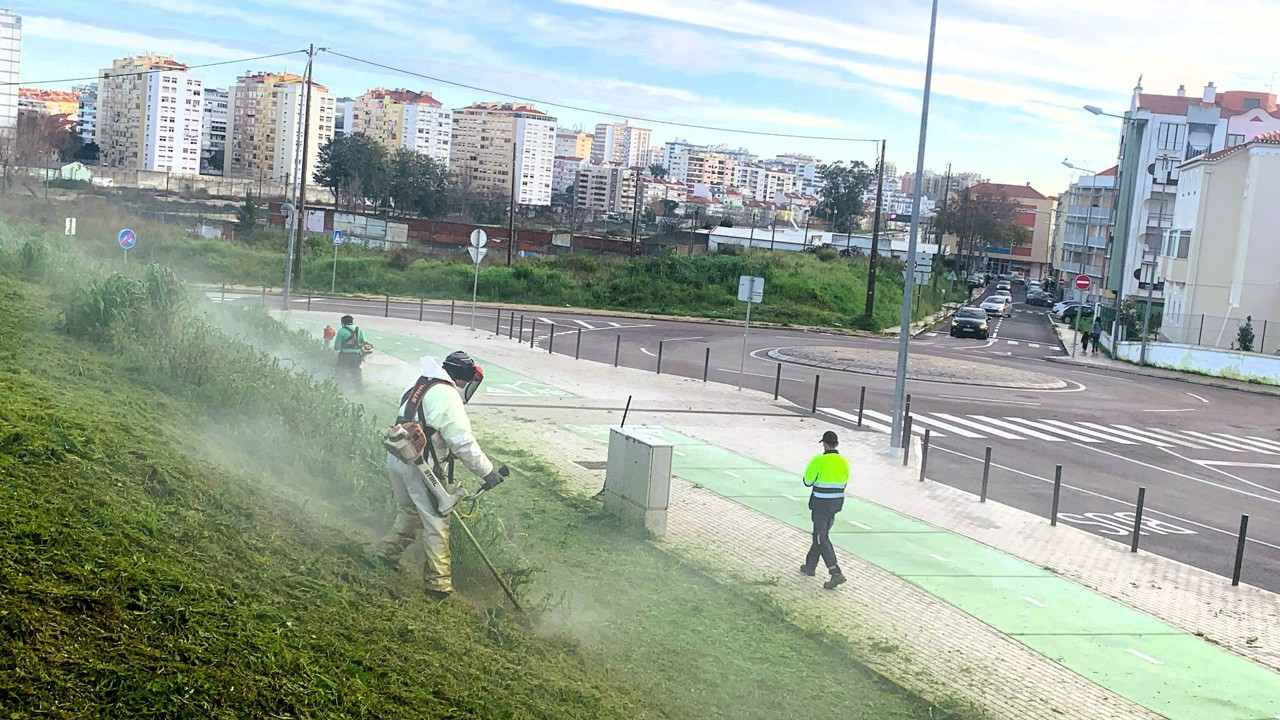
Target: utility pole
(635, 210)
(946, 195)
(511, 220)
(293, 271)
(875, 236)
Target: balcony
(1164, 221)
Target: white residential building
(87, 117)
(10, 63)
(573, 143)
(213, 129)
(676, 154)
(564, 172)
(290, 115)
(1084, 218)
(762, 183)
(620, 143)
(344, 116)
(150, 115)
(404, 118)
(482, 150)
(264, 131)
(804, 167)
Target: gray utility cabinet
(637, 480)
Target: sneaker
(808, 570)
(837, 579)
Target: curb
(1221, 383)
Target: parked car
(976, 281)
(1066, 311)
(1039, 298)
(970, 321)
(996, 305)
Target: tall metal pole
(293, 258)
(511, 222)
(904, 336)
(1146, 311)
(875, 236)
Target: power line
(597, 111)
(148, 72)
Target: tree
(658, 170)
(417, 183)
(1244, 335)
(989, 218)
(247, 216)
(36, 142)
(354, 168)
(840, 201)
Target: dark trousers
(347, 373)
(823, 511)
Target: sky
(1010, 76)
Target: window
(1171, 136)
(1234, 140)
(1252, 103)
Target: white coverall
(443, 409)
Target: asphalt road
(1205, 455)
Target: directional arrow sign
(477, 253)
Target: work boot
(837, 579)
(808, 570)
(439, 595)
(378, 561)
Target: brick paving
(902, 631)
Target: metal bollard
(986, 475)
(308, 302)
(660, 357)
(813, 409)
(577, 351)
(862, 402)
(497, 327)
(924, 454)
(906, 440)
(1137, 519)
(453, 305)
(520, 337)
(777, 381)
(617, 348)
(533, 332)
(421, 303)
(224, 293)
(551, 341)
(386, 307)
(1057, 492)
(907, 409)
(706, 364)
(1244, 532)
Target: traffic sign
(337, 237)
(1083, 282)
(1062, 282)
(750, 289)
(478, 239)
(477, 253)
(127, 238)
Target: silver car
(996, 305)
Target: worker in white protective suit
(435, 401)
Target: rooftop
(1271, 138)
(1016, 191)
(401, 95)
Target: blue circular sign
(127, 238)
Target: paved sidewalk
(900, 619)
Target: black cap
(830, 438)
(347, 320)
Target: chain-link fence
(1249, 334)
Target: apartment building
(564, 172)
(1158, 134)
(265, 126)
(55, 103)
(608, 188)
(677, 153)
(620, 143)
(1219, 260)
(573, 143)
(938, 186)
(761, 183)
(803, 167)
(404, 118)
(10, 63)
(1085, 214)
(150, 115)
(87, 112)
(488, 136)
(1034, 212)
(213, 131)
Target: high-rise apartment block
(620, 144)
(573, 144)
(213, 131)
(10, 61)
(488, 137)
(404, 118)
(87, 113)
(762, 183)
(264, 133)
(150, 115)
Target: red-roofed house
(1220, 257)
(404, 118)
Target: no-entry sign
(1082, 282)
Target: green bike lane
(1156, 665)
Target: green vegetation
(182, 526)
(820, 289)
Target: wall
(216, 186)
(1190, 358)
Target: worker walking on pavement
(435, 401)
(827, 474)
(350, 344)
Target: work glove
(495, 478)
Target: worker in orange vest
(329, 334)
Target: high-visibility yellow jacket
(828, 474)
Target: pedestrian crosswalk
(980, 427)
(1007, 342)
(574, 323)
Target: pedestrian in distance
(828, 474)
(351, 346)
(1095, 334)
(1084, 343)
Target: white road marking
(1012, 342)
(1242, 445)
(1131, 436)
(790, 497)
(678, 339)
(1232, 463)
(646, 352)
(866, 422)
(987, 401)
(1184, 476)
(932, 334)
(977, 426)
(1221, 446)
(1034, 601)
(1148, 658)
(1068, 434)
(1171, 410)
(1017, 428)
(614, 324)
(926, 420)
(1150, 434)
(915, 429)
(586, 325)
(731, 473)
(1262, 447)
(545, 320)
(1264, 440)
(855, 522)
(1034, 345)
(1091, 433)
(677, 452)
(1197, 397)
(939, 558)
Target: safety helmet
(460, 366)
(348, 320)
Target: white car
(996, 305)
(1004, 294)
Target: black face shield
(463, 369)
(473, 384)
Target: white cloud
(59, 29)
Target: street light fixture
(1068, 163)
